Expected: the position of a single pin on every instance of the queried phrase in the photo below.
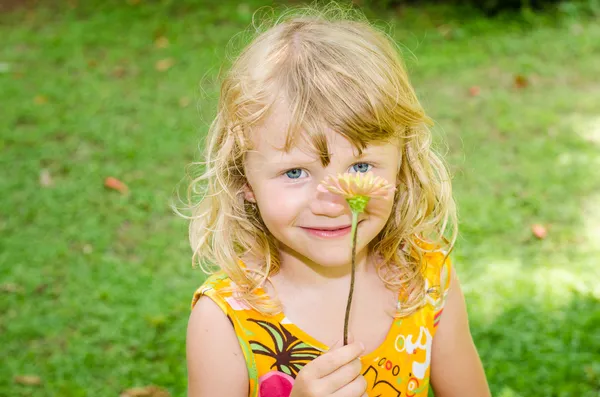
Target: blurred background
(104, 103)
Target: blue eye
(295, 173)
(362, 167)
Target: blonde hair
(332, 68)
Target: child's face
(284, 186)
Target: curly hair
(332, 68)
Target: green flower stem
(357, 205)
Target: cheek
(280, 204)
(391, 175)
(381, 208)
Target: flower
(351, 185)
(357, 189)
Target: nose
(328, 204)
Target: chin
(332, 261)
(332, 258)
(335, 253)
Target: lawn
(95, 285)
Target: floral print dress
(275, 349)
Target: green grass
(95, 286)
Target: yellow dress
(275, 349)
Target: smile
(329, 232)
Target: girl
(317, 94)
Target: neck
(307, 274)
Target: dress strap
(438, 280)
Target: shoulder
(216, 364)
(456, 369)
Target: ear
(248, 193)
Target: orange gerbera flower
(356, 188)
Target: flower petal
(351, 185)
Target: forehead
(273, 136)
(269, 139)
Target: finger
(343, 375)
(357, 387)
(334, 359)
(337, 344)
(340, 342)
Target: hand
(335, 373)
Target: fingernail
(321, 188)
(362, 347)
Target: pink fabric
(275, 384)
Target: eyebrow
(301, 162)
(293, 163)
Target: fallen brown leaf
(40, 99)
(46, 178)
(590, 372)
(119, 72)
(115, 184)
(521, 81)
(159, 31)
(147, 391)
(539, 231)
(445, 30)
(161, 42)
(164, 64)
(28, 380)
(474, 91)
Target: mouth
(329, 231)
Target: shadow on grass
(533, 351)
